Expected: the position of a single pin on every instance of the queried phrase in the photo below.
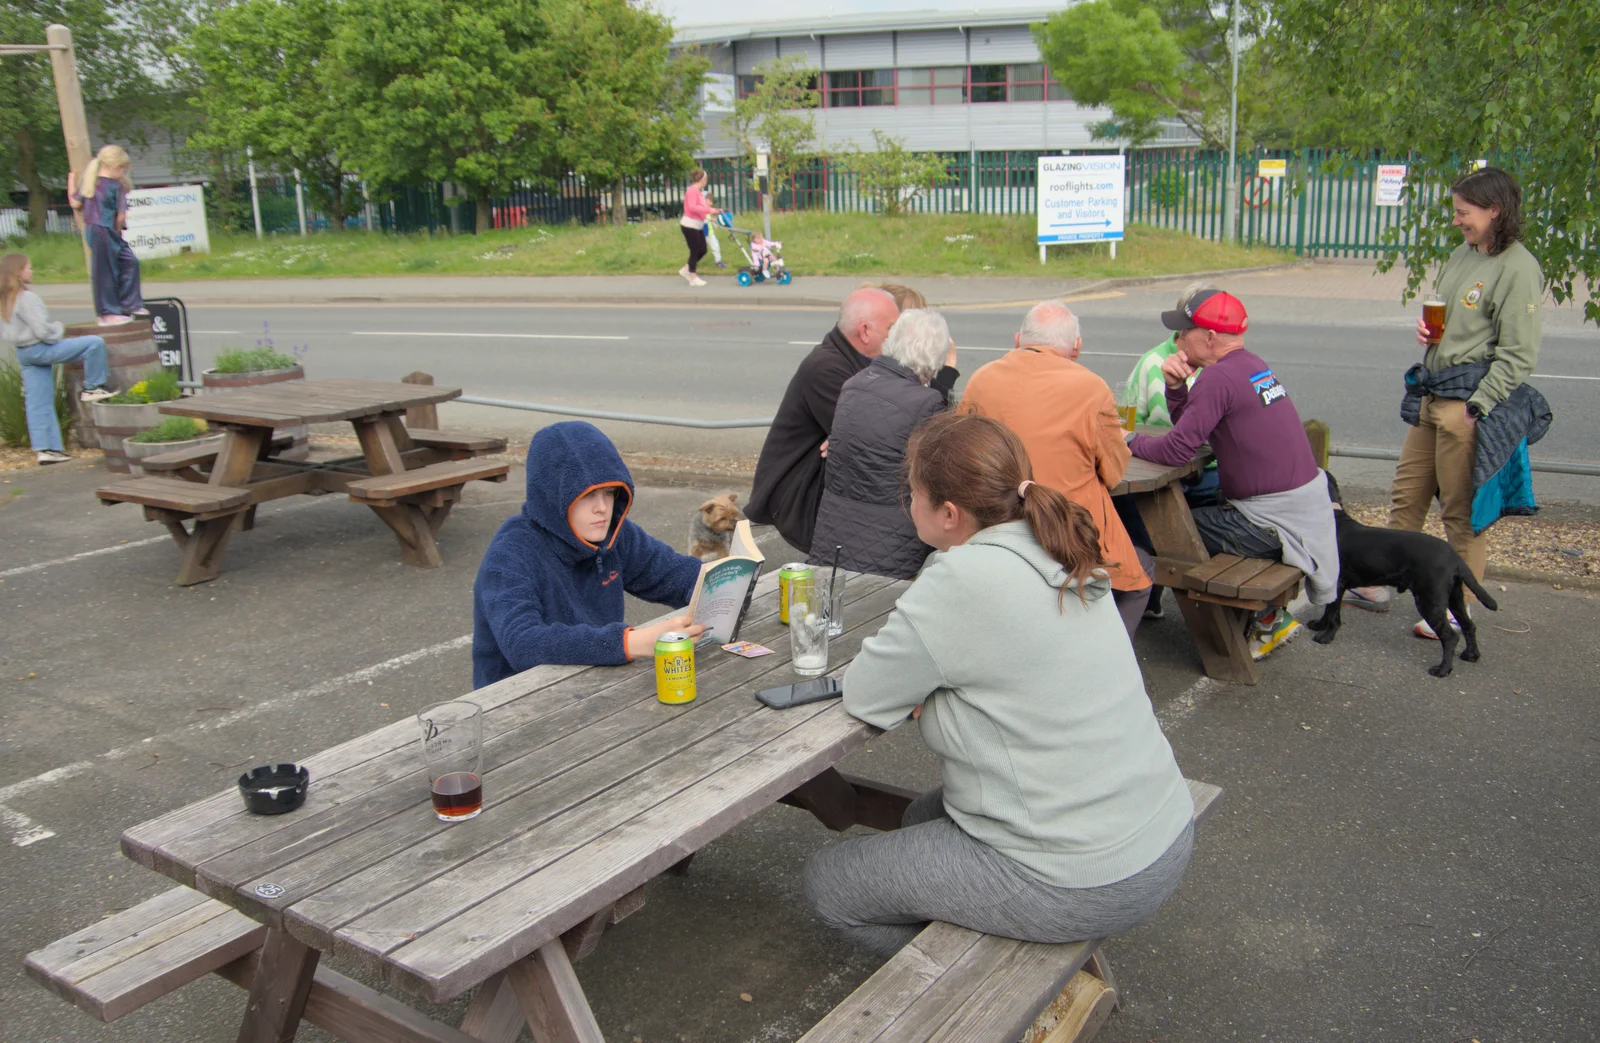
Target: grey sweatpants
(880, 891)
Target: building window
(987, 83)
(945, 86)
(1032, 83)
(866, 87)
(747, 85)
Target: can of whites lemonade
(675, 668)
(787, 577)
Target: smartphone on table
(811, 690)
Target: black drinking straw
(838, 548)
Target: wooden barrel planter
(131, 357)
(114, 423)
(234, 381)
(136, 451)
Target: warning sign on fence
(1391, 183)
(1272, 168)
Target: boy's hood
(1018, 538)
(566, 461)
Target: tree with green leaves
(32, 147)
(447, 90)
(623, 104)
(1513, 82)
(1167, 59)
(890, 176)
(776, 117)
(267, 76)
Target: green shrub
(172, 429)
(1168, 188)
(161, 386)
(251, 360)
(13, 413)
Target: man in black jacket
(788, 484)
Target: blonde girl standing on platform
(103, 198)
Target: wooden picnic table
(1214, 610)
(411, 484)
(591, 788)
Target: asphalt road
(1340, 358)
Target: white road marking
(512, 336)
(25, 831)
(1097, 354)
(1562, 376)
(218, 332)
(39, 566)
(1185, 704)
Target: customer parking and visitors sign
(167, 221)
(1080, 199)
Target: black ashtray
(273, 789)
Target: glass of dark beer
(1433, 318)
(452, 745)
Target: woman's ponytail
(1065, 530)
(980, 465)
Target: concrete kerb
(985, 291)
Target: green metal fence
(1324, 205)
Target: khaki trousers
(1437, 457)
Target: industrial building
(940, 81)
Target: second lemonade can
(788, 576)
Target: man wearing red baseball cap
(1275, 497)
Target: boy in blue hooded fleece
(550, 588)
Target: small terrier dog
(711, 530)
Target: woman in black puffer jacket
(863, 500)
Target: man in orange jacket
(1067, 419)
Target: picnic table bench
(410, 480)
(1217, 594)
(592, 789)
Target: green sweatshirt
(1491, 314)
(1037, 711)
(1148, 385)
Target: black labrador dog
(1425, 565)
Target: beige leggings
(1437, 456)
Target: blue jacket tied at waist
(1502, 478)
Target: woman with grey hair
(863, 498)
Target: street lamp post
(1232, 207)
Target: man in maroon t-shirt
(1275, 497)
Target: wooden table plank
(307, 402)
(873, 1008)
(1227, 582)
(530, 740)
(450, 959)
(425, 882)
(1270, 582)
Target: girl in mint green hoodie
(1062, 815)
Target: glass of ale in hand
(1433, 318)
(452, 745)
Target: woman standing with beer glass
(1491, 288)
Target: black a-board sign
(169, 327)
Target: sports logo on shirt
(1267, 387)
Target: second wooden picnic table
(409, 478)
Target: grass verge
(814, 244)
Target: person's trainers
(141, 313)
(688, 276)
(1373, 599)
(697, 281)
(95, 394)
(1153, 609)
(50, 456)
(1424, 631)
(1272, 633)
(721, 265)
(114, 320)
